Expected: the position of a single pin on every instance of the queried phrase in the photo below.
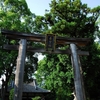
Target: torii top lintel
(41, 38)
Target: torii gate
(50, 41)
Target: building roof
(35, 89)
(30, 88)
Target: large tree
(69, 18)
(16, 16)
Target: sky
(39, 6)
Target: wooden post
(82, 77)
(77, 74)
(20, 70)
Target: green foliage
(54, 75)
(69, 18)
(15, 16)
(36, 98)
(91, 68)
(11, 96)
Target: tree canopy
(69, 18)
(16, 16)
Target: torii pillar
(79, 91)
(18, 89)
